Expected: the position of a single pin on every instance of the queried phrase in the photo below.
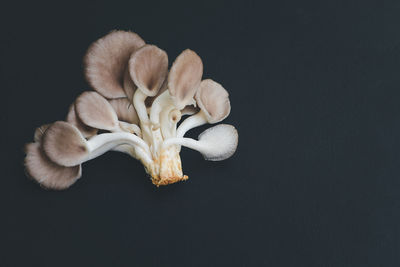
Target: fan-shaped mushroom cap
(64, 144)
(39, 132)
(220, 142)
(47, 173)
(124, 110)
(213, 100)
(86, 131)
(148, 67)
(106, 59)
(95, 111)
(184, 77)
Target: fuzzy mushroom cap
(213, 100)
(221, 141)
(184, 77)
(148, 67)
(124, 110)
(39, 132)
(95, 111)
(86, 131)
(106, 59)
(47, 173)
(64, 144)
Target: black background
(314, 89)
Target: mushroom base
(167, 169)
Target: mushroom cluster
(135, 108)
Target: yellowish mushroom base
(167, 169)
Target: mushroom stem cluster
(137, 107)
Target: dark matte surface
(315, 182)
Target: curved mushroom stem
(191, 122)
(184, 141)
(102, 143)
(138, 102)
(162, 101)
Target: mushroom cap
(124, 110)
(64, 144)
(148, 67)
(95, 111)
(47, 173)
(106, 59)
(86, 131)
(184, 77)
(221, 142)
(39, 132)
(213, 100)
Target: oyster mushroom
(95, 111)
(135, 109)
(65, 145)
(106, 59)
(214, 104)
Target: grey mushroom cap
(148, 67)
(64, 144)
(95, 111)
(185, 77)
(106, 60)
(47, 173)
(73, 119)
(213, 100)
(124, 110)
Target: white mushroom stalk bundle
(137, 108)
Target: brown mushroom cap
(47, 173)
(106, 59)
(64, 144)
(95, 111)
(148, 67)
(86, 131)
(184, 77)
(213, 100)
(124, 110)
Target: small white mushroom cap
(106, 59)
(95, 111)
(219, 142)
(148, 67)
(213, 100)
(64, 144)
(86, 131)
(47, 173)
(124, 110)
(184, 78)
(216, 143)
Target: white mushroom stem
(102, 143)
(161, 102)
(191, 122)
(215, 143)
(138, 102)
